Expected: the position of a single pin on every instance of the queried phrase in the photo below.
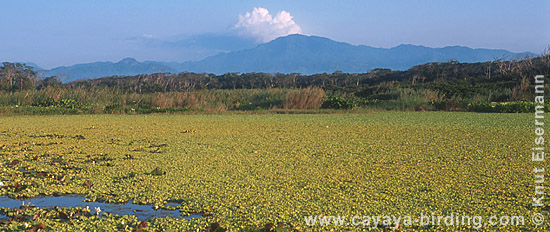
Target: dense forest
(493, 86)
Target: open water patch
(142, 212)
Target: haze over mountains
(292, 54)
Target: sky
(66, 32)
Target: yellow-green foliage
(245, 171)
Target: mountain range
(127, 66)
(292, 54)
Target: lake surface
(142, 212)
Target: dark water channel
(142, 212)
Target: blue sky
(54, 33)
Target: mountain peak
(302, 37)
(292, 36)
(409, 46)
(128, 60)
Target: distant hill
(33, 65)
(313, 54)
(127, 66)
(293, 54)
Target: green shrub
(338, 103)
(504, 107)
(63, 103)
(45, 102)
(69, 104)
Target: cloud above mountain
(252, 28)
(261, 25)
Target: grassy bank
(54, 101)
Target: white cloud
(263, 26)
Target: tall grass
(110, 100)
(309, 98)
